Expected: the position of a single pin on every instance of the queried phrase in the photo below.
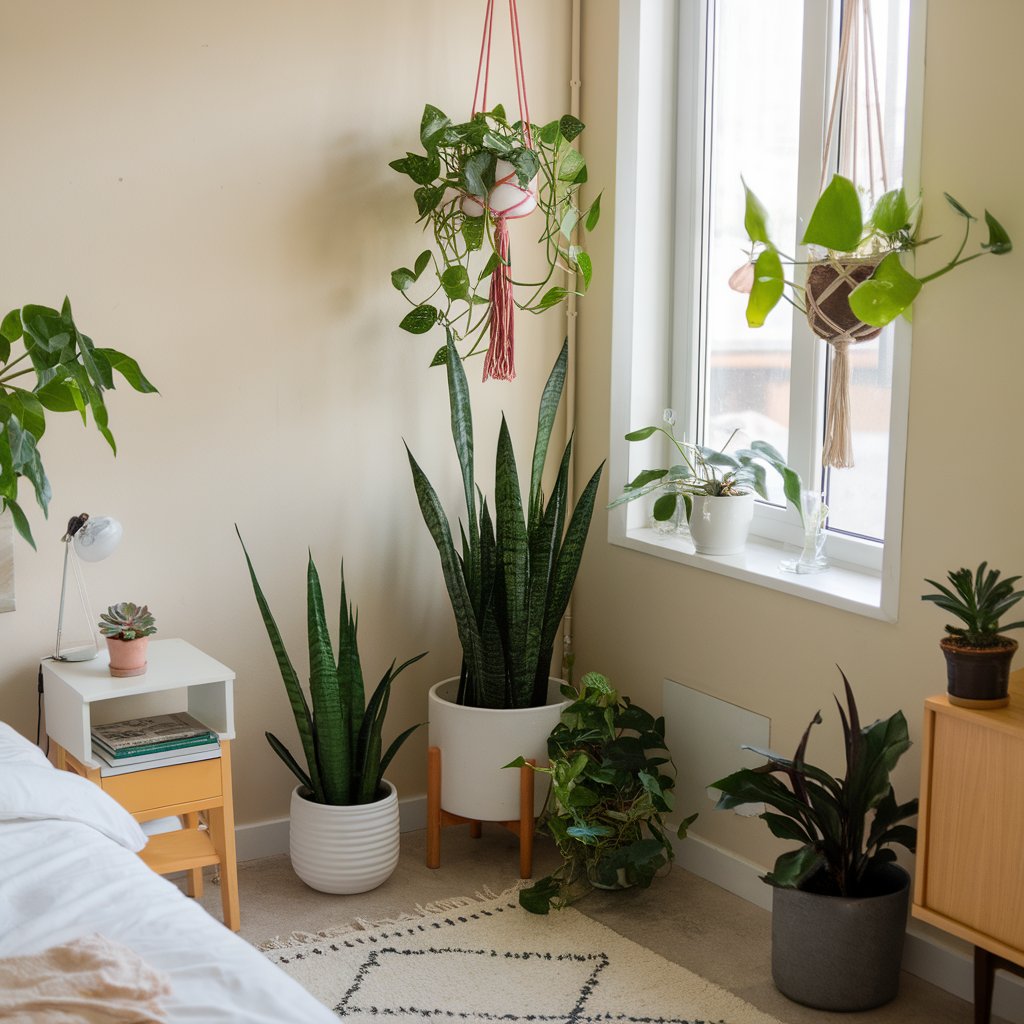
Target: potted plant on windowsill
(509, 588)
(471, 179)
(127, 628)
(856, 282)
(978, 656)
(609, 793)
(344, 828)
(717, 489)
(839, 902)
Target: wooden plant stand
(438, 818)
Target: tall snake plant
(341, 738)
(511, 583)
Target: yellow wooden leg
(195, 876)
(221, 822)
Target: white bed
(62, 879)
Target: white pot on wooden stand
(719, 525)
(344, 848)
(466, 782)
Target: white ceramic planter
(719, 526)
(344, 849)
(476, 742)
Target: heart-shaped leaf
(420, 319)
(887, 293)
(767, 288)
(836, 221)
(891, 212)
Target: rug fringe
(418, 913)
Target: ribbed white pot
(476, 742)
(344, 849)
(719, 525)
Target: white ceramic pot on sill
(719, 525)
(344, 848)
(476, 742)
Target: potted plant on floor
(609, 793)
(716, 488)
(978, 656)
(839, 902)
(344, 830)
(127, 628)
(471, 179)
(509, 588)
(856, 282)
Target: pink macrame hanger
(499, 362)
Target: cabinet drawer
(162, 787)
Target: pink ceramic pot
(127, 657)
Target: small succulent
(127, 621)
(979, 600)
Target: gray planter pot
(835, 953)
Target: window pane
(754, 133)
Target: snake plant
(340, 738)
(510, 585)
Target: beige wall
(208, 181)
(641, 619)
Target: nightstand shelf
(189, 790)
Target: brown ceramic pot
(127, 657)
(978, 677)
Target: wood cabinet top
(1008, 719)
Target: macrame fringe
(500, 361)
(838, 450)
(420, 911)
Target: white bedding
(62, 879)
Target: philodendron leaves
(998, 240)
(887, 293)
(891, 213)
(836, 222)
(767, 288)
(755, 217)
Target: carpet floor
(682, 918)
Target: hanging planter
(856, 282)
(472, 180)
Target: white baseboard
(269, 838)
(924, 955)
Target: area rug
(486, 959)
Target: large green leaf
(767, 287)
(883, 296)
(791, 869)
(128, 368)
(836, 222)
(755, 218)
(891, 213)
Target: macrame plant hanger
(499, 363)
(856, 90)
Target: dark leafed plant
(456, 178)
(846, 826)
(127, 621)
(511, 582)
(70, 375)
(609, 791)
(341, 739)
(979, 600)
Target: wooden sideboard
(970, 869)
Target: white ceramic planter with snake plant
(719, 524)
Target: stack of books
(140, 743)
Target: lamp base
(83, 652)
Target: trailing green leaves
(836, 222)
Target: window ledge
(848, 587)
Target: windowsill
(842, 586)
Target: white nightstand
(70, 691)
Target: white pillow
(37, 792)
(15, 749)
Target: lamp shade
(98, 538)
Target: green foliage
(510, 585)
(460, 160)
(127, 621)
(846, 826)
(70, 375)
(610, 788)
(709, 472)
(340, 733)
(838, 226)
(979, 600)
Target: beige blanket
(87, 981)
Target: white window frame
(662, 51)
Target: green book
(155, 748)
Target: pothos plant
(470, 175)
(610, 790)
(62, 371)
(706, 471)
(881, 287)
